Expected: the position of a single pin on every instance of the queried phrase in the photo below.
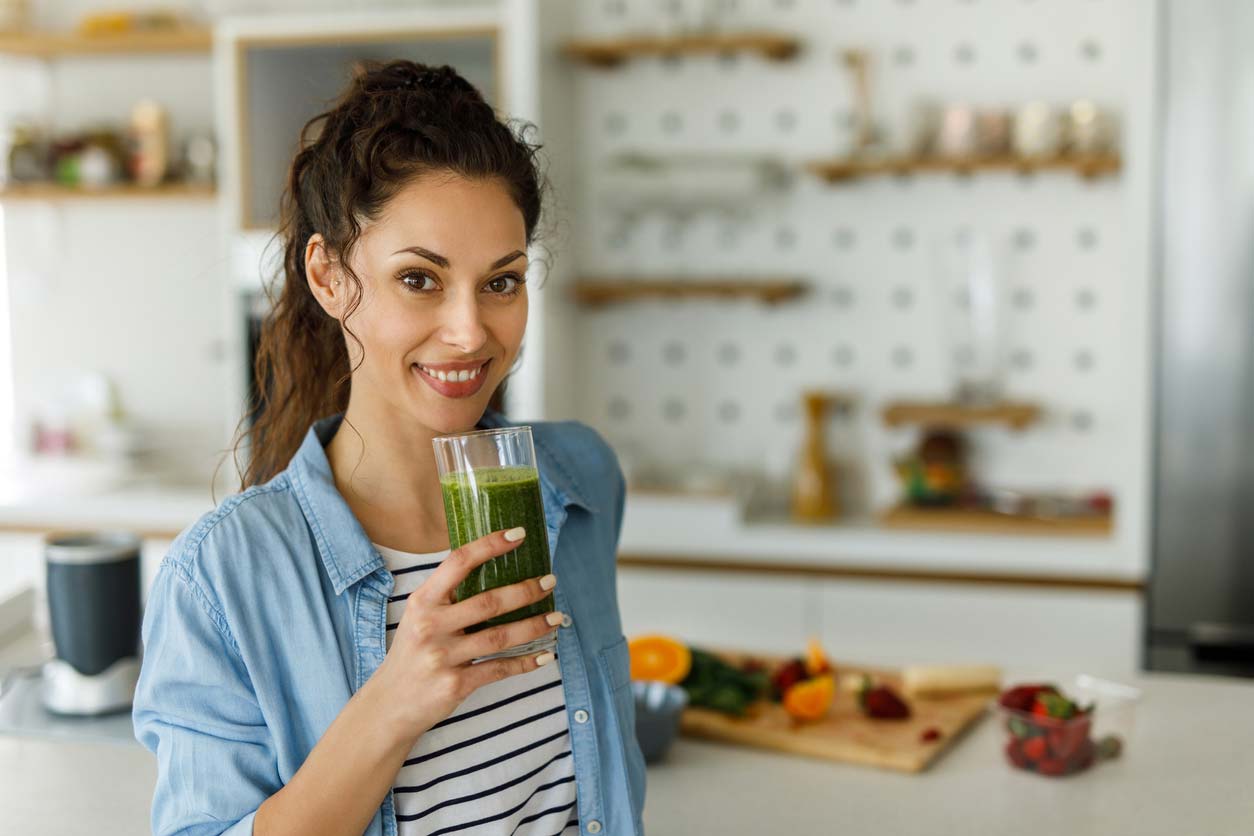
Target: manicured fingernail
(554, 618)
(544, 658)
(548, 581)
(515, 534)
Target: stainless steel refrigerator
(1201, 597)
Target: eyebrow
(443, 262)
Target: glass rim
(479, 433)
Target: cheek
(388, 333)
(512, 326)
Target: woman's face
(444, 301)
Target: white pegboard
(722, 381)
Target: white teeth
(453, 376)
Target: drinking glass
(490, 482)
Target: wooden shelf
(952, 415)
(610, 52)
(840, 170)
(50, 44)
(601, 291)
(978, 521)
(54, 191)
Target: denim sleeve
(636, 772)
(195, 708)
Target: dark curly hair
(396, 121)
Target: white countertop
(1186, 769)
(149, 508)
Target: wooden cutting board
(846, 734)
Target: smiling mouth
(453, 376)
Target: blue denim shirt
(268, 613)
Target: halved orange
(811, 698)
(659, 658)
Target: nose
(462, 323)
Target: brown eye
(418, 281)
(504, 285)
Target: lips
(460, 380)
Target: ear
(326, 281)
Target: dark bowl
(658, 708)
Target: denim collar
(345, 548)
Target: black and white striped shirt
(501, 763)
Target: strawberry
(881, 702)
(1014, 753)
(1022, 728)
(1035, 749)
(788, 675)
(1084, 755)
(1021, 697)
(1052, 766)
(1053, 705)
(1066, 739)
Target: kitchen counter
(148, 508)
(1186, 770)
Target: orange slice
(811, 699)
(659, 658)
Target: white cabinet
(20, 565)
(1021, 627)
(888, 623)
(731, 610)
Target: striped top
(501, 763)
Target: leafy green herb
(715, 684)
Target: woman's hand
(427, 671)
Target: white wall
(132, 288)
(652, 376)
(138, 289)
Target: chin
(453, 417)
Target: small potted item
(150, 143)
(1038, 131)
(935, 474)
(1089, 129)
(958, 138)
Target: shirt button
(594, 826)
(581, 716)
(566, 619)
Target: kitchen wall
(721, 382)
(132, 288)
(141, 290)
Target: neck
(384, 467)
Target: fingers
(503, 637)
(493, 602)
(496, 669)
(438, 587)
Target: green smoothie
(490, 499)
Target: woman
(306, 668)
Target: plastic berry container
(1057, 730)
